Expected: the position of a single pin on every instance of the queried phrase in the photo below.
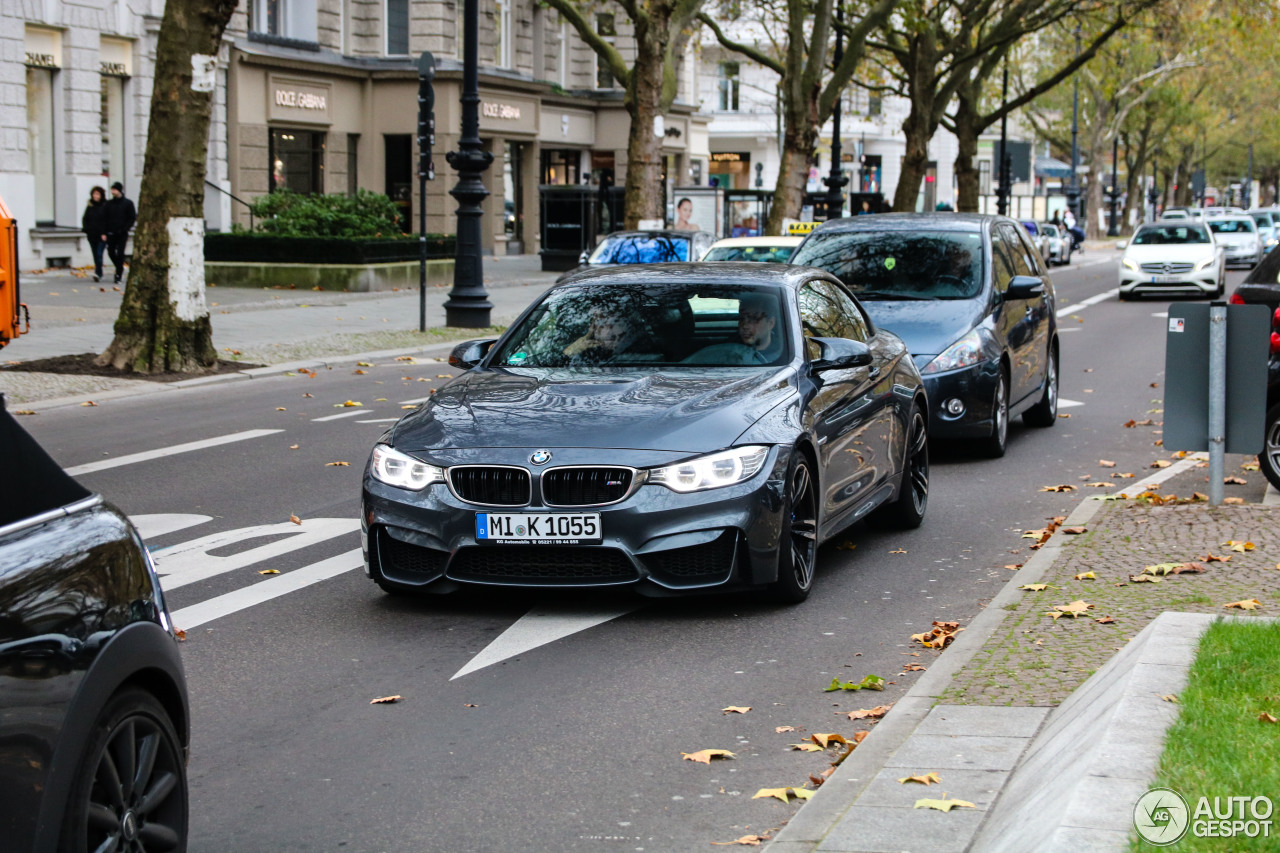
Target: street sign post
(426, 169)
(1215, 382)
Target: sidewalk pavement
(1053, 727)
(286, 328)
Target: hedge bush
(289, 214)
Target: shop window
(729, 86)
(560, 166)
(512, 212)
(297, 160)
(398, 148)
(397, 27)
(607, 30)
(871, 173)
(111, 122)
(353, 164)
(40, 147)
(874, 104)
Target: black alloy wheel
(1045, 412)
(995, 444)
(798, 545)
(1269, 458)
(130, 794)
(908, 508)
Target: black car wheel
(1045, 413)
(994, 444)
(130, 793)
(1269, 458)
(908, 508)
(798, 546)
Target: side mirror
(840, 354)
(468, 354)
(1122, 244)
(582, 259)
(1024, 287)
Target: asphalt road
(566, 743)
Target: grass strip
(1219, 747)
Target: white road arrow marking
(224, 605)
(191, 561)
(153, 526)
(1066, 404)
(538, 627)
(351, 414)
(146, 456)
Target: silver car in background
(1238, 236)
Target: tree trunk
(644, 149)
(1097, 180)
(967, 184)
(919, 125)
(163, 323)
(799, 140)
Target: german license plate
(539, 528)
(1164, 279)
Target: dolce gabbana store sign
(505, 113)
(293, 100)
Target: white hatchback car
(775, 250)
(1172, 257)
(1237, 234)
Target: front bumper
(656, 540)
(1198, 283)
(1240, 257)
(975, 388)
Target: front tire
(1045, 413)
(908, 508)
(1269, 458)
(995, 444)
(798, 545)
(130, 792)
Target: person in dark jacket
(121, 214)
(94, 225)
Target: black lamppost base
(467, 315)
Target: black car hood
(927, 327)
(683, 410)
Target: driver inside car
(756, 323)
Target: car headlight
(1206, 263)
(1129, 263)
(965, 352)
(396, 469)
(726, 468)
(1271, 241)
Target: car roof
(910, 222)
(785, 240)
(746, 273)
(655, 232)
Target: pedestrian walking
(94, 225)
(121, 214)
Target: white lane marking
(1163, 315)
(148, 455)
(1085, 303)
(224, 605)
(1066, 404)
(190, 562)
(379, 421)
(158, 524)
(536, 628)
(350, 414)
(1135, 489)
(414, 401)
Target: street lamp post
(836, 180)
(1248, 184)
(1113, 224)
(1002, 188)
(468, 305)
(1073, 190)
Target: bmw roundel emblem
(540, 457)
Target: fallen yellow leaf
(736, 709)
(1106, 463)
(281, 409)
(1034, 587)
(295, 519)
(269, 572)
(347, 405)
(826, 739)
(704, 756)
(781, 729)
(870, 713)
(386, 700)
(923, 779)
(88, 403)
(1246, 604)
(337, 464)
(1239, 547)
(780, 793)
(364, 364)
(1086, 576)
(744, 841)
(1264, 717)
(1161, 463)
(944, 805)
(806, 747)
(1233, 501)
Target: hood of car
(928, 327)
(1184, 252)
(685, 410)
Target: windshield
(1232, 226)
(1049, 230)
(900, 264)
(1170, 235)
(1262, 219)
(641, 249)
(667, 325)
(767, 254)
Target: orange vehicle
(15, 319)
